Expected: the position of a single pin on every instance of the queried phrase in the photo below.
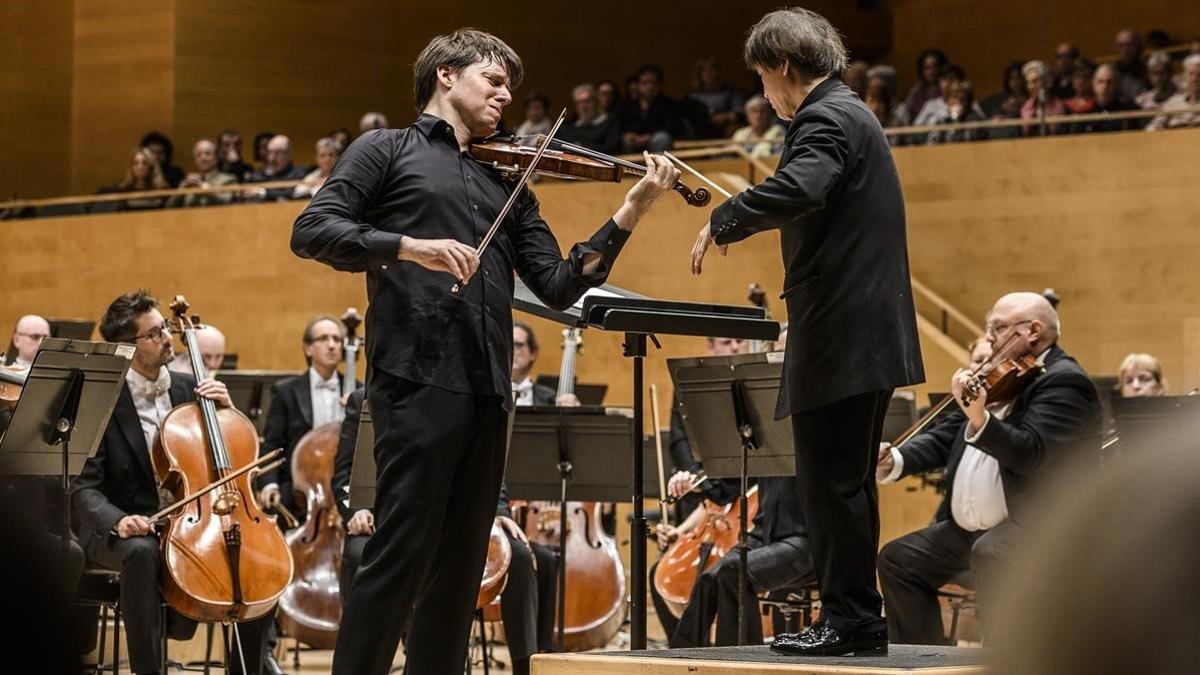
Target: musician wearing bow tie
(411, 208)
(302, 403)
(117, 489)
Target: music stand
(1147, 423)
(739, 440)
(588, 394)
(71, 329)
(565, 454)
(68, 396)
(901, 414)
(610, 308)
(362, 472)
(250, 391)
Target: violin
(12, 381)
(512, 154)
(223, 559)
(311, 607)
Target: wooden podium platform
(923, 660)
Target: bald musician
(995, 455)
(27, 338)
(117, 489)
(212, 352)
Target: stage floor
(926, 660)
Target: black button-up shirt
(416, 182)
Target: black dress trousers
(837, 447)
(439, 460)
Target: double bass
(594, 605)
(223, 559)
(311, 608)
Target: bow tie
(153, 390)
(521, 388)
(330, 385)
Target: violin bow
(512, 198)
(697, 174)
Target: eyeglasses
(520, 345)
(997, 329)
(37, 337)
(155, 334)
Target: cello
(223, 559)
(593, 606)
(311, 607)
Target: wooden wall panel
(983, 36)
(123, 85)
(36, 45)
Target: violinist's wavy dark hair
(797, 36)
(463, 47)
(119, 323)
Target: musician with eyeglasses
(997, 455)
(27, 338)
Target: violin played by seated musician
(116, 492)
(996, 451)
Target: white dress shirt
(523, 391)
(326, 398)
(152, 399)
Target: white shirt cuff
(897, 467)
(268, 486)
(971, 438)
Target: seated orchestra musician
(779, 555)
(527, 604)
(117, 489)
(1141, 375)
(212, 352)
(300, 404)
(995, 455)
(27, 337)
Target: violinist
(117, 489)
(995, 454)
(302, 403)
(27, 338)
(528, 601)
(409, 207)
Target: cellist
(117, 489)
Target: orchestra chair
(791, 608)
(959, 594)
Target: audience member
(1108, 100)
(879, 102)
(929, 67)
(143, 174)
(1006, 103)
(936, 110)
(229, 155)
(1162, 87)
(1084, 100)
(372, 120)
(536, 121)
(1141, 375)
(164, 150)
(718, 105)
(1189, 97)
(650, 121)
(592, 127)
(762, 137)
(260, 147)
(278, 166)
(1041, 103)
(959, 106)
(1130, 66)
(608, 98)
(883, 79)
(1064, 65)
(327, 153)
(855, 77)
(342, 136)
(206, 175)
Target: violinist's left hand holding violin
(976, 410)
(661, 176)
(214, 391)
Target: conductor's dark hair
(119, 323)
(802, 38)
(462, 48)
(530, 337)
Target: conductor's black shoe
(822, 640)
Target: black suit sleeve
(680, 447)
(275, 437)
(343, 462)
(819, 153)
(930, 449)
(502, 507)
(1052, 419)
(95, 511)
(332, 228)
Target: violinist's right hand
(441, 255)
(270, 496)
(133, 526)
(680, 484)
(886, 462)
(362, 522)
